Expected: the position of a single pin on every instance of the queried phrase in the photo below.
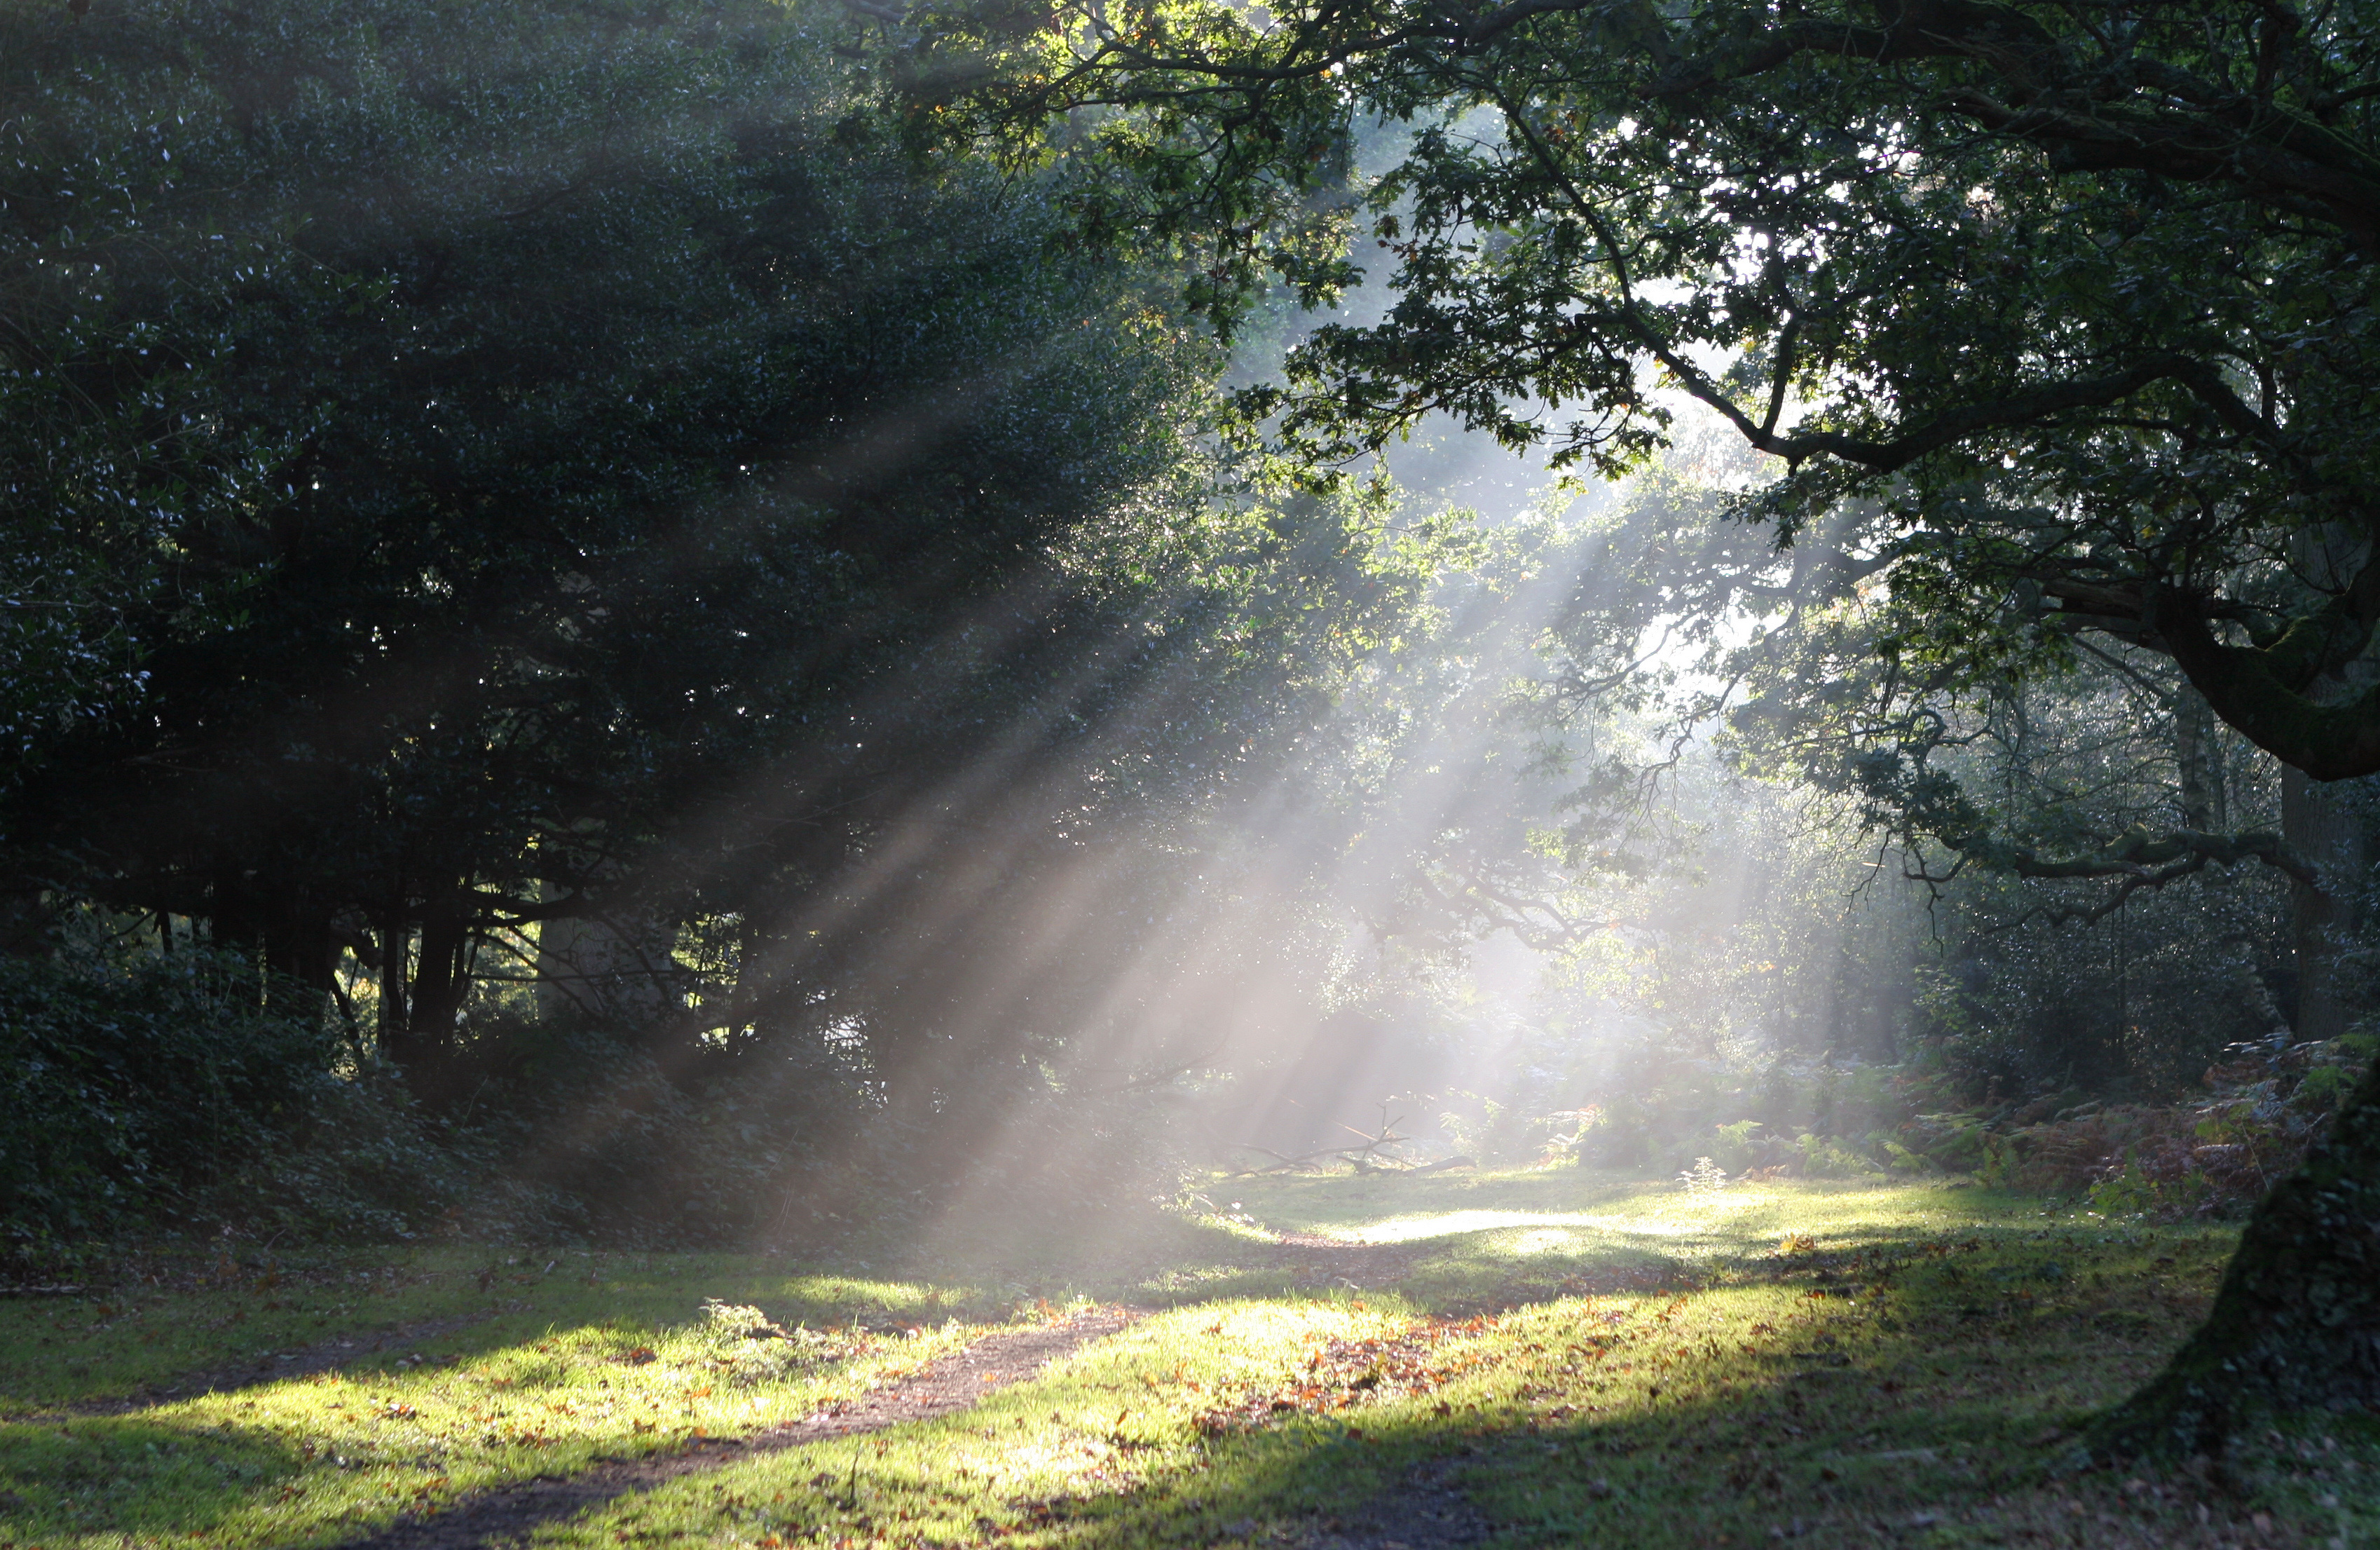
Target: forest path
(510, 1514)
(1435, 1363)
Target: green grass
(615, 1357)
(157, 1325)
(1907, 1368)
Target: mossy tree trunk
(2321, 823)
(2295, 1324)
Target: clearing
(1517, 1359)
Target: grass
(616, 1358)
(158, 1322)
(1592, 1360)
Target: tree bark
(2316, 820)
(297, 949)
(418, 1011)
(440, 982)
(280, 930)
(2198, 756)
(2295, 1324)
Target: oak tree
(2055, 320)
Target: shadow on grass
(113, 1350)
(1890, 1374)
(520, 1394)
(125, 1475)
(1883, 1385)
(1852, 1427)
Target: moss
(2295, 1328)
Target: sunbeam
(891, 775)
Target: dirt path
(1318, 1260)
(511, 1513)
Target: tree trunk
(440, 982)
(2318, 821)
(278, 926)
(395, 1010)
(2198, 756)
(2295, 1324)
(418, 1011)
(298, 947)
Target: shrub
(2264, 1108)
(365, 1164)
(1739, 1146)
(128, 1084)
(1816, 1157)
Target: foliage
(572, 543)
(1498, 1133)
(361, 1163)
(595, 473)
(134, 1084)
(2263, 1109)
(2060, 372)
(1704, 1179)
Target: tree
(448, 444)
(483, 476)
(2056, 319)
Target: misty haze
(891, 774)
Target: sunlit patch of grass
(1844, 1364)
(1912, 1372)
(123, 1337)
(1132, 1423)
(1390, 1209)
(1491, 1239)
(525, 1394)
(130, 1333)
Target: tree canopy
(2064, 312)
(473, 466)
(2053, 321)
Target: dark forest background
(600, 639)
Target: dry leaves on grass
(1341, 1375)
(1643, 1280)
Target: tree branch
(2259, 692)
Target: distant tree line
(531, 518)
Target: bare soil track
(512, 1513)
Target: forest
(1581, 772)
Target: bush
(364, 1164)
(143, 1092)
(2264, 1108)
(127, 1085)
